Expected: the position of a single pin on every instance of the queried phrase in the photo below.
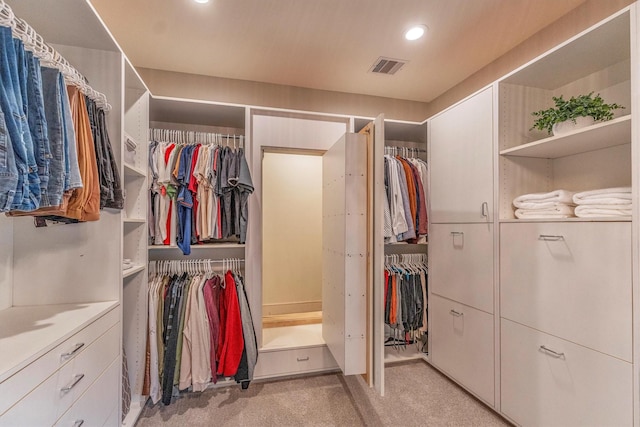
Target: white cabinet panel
(574, 386)
(463, 346)
(461, 161)
(461, 263)
(344, 252)
(572, 280)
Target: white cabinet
(462, 345)
(571, 280)
(461, 263)
(547, 381)
(461, 161)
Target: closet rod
(192, 137)
(47, 55)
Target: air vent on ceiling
(387, 65)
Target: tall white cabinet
(461, 244)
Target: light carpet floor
(415, 395)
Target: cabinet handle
(302, 359)
(457, 233)
(485, 209)
(456, 313)
(78, 423)
(73, 383)
(72, 352)
(550, 237)
(551, 352)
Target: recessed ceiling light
(201, 1)
(414, 33)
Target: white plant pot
(569, 126)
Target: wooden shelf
(602, 135)
(133, 171)
(28, 332)
(133, 270)
(573, 219)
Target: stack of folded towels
(555, 204)
(607, 202)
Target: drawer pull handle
(550, 238)
(456, 313)
(72, 352)
(551, 352)
(73, 383)
(302, 359)
(457, 233)
(78, 423)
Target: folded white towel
(560, 211)
(541, 205)
(625, 206)
(606, 194)
(591, 212)
(557, 196)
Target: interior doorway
(292, 248)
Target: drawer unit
(92, 409)
(571, 280)
(462, 345)
(274, 363)
(461, 263)
(22, 382)
(55, 395)
(547, 381)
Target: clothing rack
(403, 151)
(406, 260)
(194, 266)
(193, 137)
(47, 55)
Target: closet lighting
(414, 33)
(201, 1)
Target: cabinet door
(462, 345)
(344, 252)
(461, 161)
(461, 263)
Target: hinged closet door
(344, 256)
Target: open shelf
(133, 270)
(573, 219)
(196, 247)
(133, 171)
(602, 135)
(134, 220)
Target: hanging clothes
(48, 160)
(198, 192)
(405, 299)
(199, 328)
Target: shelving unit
(134, 280)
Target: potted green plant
(578, 111)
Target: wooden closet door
(461, 161)
(344, 252)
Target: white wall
(292, 233)
(6, 262)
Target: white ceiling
(327, 44)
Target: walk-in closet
(181, 240)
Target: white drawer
(462, 345)
(580, 387)
(461, 263)
(576, 284)
(95, 406)
(44, 405)
(294, 361)
(22, 382)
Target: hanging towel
(557, 196)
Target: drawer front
(17, 386)
(95, 406)
(575, 387)
(462, 345)
(461, 263)
(573, 282)
(53, 397)
(294, 361)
